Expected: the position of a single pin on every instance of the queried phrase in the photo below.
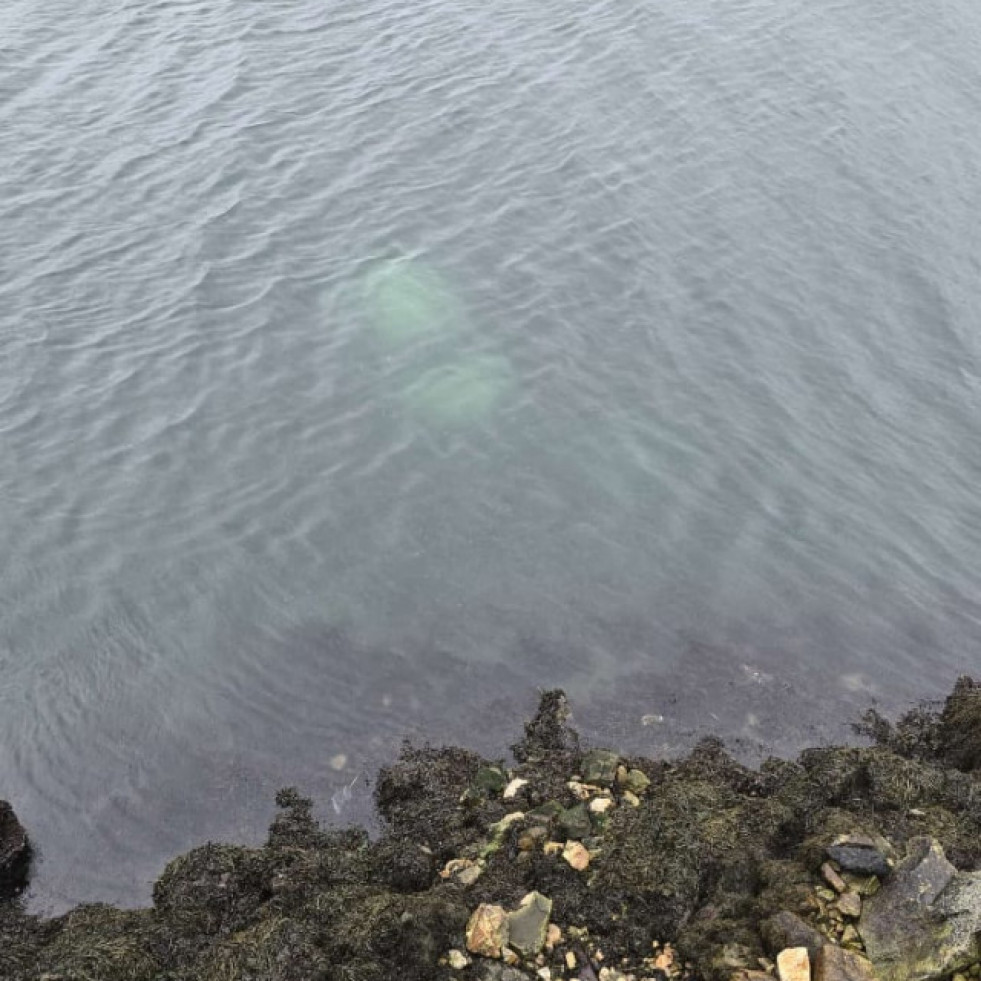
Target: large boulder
(15, 852)
(924, 923)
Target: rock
(793, 964)
(600, 766)
(546, 811)
(574, 822)
(576, 855)
(553, 847)
(835, 964)
(832, 878)
(924, 922)
(850, 904)
(545, 973)
(528, 925)
(860, 854)
(498, 972)
(490, 779)
(511, 790)
(636, 781)
(15, 852)
(570, 960)
(631, 798)
(468, 876)
(850, 937)
(487, 931)
(600, 805)
(553, 936)
(458, 960)
(787, 930)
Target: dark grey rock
(490, 780)
(860, 854)
(835, 964)
(15, 852)
(528, 925)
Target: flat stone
(787, 930)
(15, 852)
(528, 925)
(793, 964)
(850, 903)
(600, 766)
(924, 922)
(487, 931)
(832, 878)
(860, 854)
(835, 964)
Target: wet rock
(600, 766)
(924, 923)
(794, 964)
(528, 925)
(859, 854)
(834, 964)
(487, 931)
(574, 822)
(15, 852)
(787, 930)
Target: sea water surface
(365, 365)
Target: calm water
(365, 365)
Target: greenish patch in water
(460, 393)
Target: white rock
(458, 960)
(511, 790)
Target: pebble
(544, 973)
(570, 960)
(338, 762)
(511, 790)
(554, 935)
(831, 876)
(850, 903)
(793, 964)
(458, 960)
(576, 854)
(600, 805)
(553, 847)
(631, 798)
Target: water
(363, 366)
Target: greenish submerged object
(460, 393)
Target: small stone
(850, 903)
(600, 766)
(631, 798)
(487, 931)
(622, 774)
(600, 805)
(576, 855)
(835, 964)
(574, 822)
(510, 957)
(468, 876)
(528, 925)
(553, 847)
(511, 790)
(828, 895)
(553, 936)
(544, 973)
(637, 781)
(793, 964)
(455, 866)
(832, 877)
(546, 811)
(570, 960)
(850, 936)
(490, 779)
(338, 762)
(458, 960)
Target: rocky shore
(847, 864)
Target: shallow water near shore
(363, 368)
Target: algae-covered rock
(960, 726)
(599, 766)
(490, 779)
(14, 851)
(924, 923)
(574, 822)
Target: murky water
(363, 366)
